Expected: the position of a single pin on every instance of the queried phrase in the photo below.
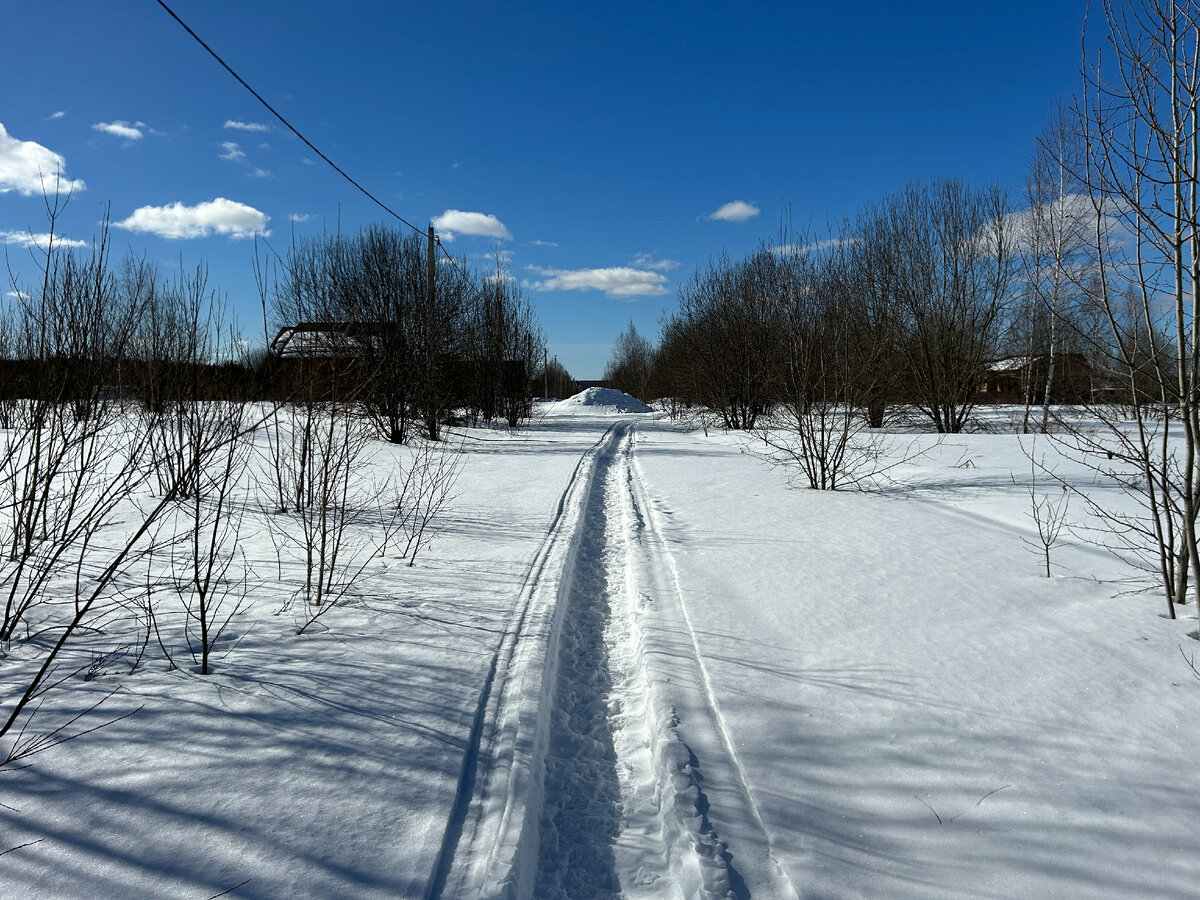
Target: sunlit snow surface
(595, 401)
(768, 690)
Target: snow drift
(597, 401)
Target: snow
(637, 662)
(595, 401)
(1009, 364)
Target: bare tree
(1048, 511)
(210, 572)
(322, 527)
(199, 419)
(876, 314)
(943, 260)
(1140, 114)
(820, 422)
(507, 348)
(631, 365)
(724, 340)
(382, 282)
(1056, 253)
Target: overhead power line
(290, 127)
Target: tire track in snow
(477, 855)
(703, 779)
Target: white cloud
(615, 281)
(18, 295)
(233, 152)
(57, 115)
(246, 126)
(219, 216)
(646, 261)
(737, 211)
(455, 221)
(260, 173)
(300, 217)
(41, 241)
(1072, 218)
(121, 129)
(542, 244)
(27, 168)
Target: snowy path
(581, 814)
(602, 765)
(486, 848)
(716, 813)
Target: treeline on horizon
(905, 308)
(373, 335)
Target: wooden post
(431, 268)
(427, 327)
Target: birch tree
(1055, 254)
(1140, 118)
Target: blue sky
(597, 142)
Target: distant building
(1022, 379)
(323, 339)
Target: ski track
(581, 815)
(466, 863)
(599, 765)
(731, 853)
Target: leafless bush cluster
(631, 366)
(907, 304)
(819, 421)
(810, 341)
(72, 521)
(135, 443)
(342, 517)
(414, 340)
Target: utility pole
(545, 373)
(427, 326)
(430, 267)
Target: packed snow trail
(581, 816)
(481, 850)
(714, 810)
(602, 767)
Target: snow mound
(597, 401)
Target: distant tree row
(413, 353)
(369, 330)
(908, 306)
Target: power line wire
(257, 96)
(287, 124)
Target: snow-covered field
(636, 662)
